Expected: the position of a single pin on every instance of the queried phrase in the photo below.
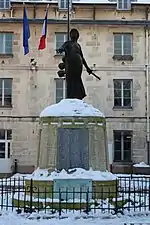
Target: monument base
(72, 135)
(76, 190)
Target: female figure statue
(73, 62)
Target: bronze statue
(72, 66)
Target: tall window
(6, 92)
(123, 44)
(122, 146)
(60, 39)
(6, 43)
(124, 5)
(4, 4)
(5, 141)
(63, 4)
(60, 89)
(123, 93)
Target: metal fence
(128, 194)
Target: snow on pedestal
(71, 107)
(73, 135)
(78, 173)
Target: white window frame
(122, 96)
(64, 88)
(122, 43)
(65, 4)
(6, 141)
(4, 43)
(123, 5)
(5, 4)
(64, 37)
(3, 91)
(122, 145)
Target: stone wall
(24, 142)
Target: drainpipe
(38, 152)
(147, 114)
(147, 87)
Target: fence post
(149, 196)
(2, 194)
(129, 192)
(116, 196)
(87, 202)
(31, 195)
(59, 202)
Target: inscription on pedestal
(73, 189)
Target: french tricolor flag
(42, 43)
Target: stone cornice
(82, 21)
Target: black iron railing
(127, 194)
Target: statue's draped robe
(73, 68)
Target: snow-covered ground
(14, 219)
(135, 216)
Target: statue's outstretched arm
(62, 48)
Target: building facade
(115, 39)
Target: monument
(71, 139)
(72, 159)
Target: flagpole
(68, 18)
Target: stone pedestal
(76, 141)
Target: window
(4, 4)
(123, 93)
(124, 5)
(60, 39)
(6, 92)
(60, 89)
(123, 46)
(122, 146)
(63, 4)
(5, 141)
(6, 43)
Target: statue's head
(74, 34)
